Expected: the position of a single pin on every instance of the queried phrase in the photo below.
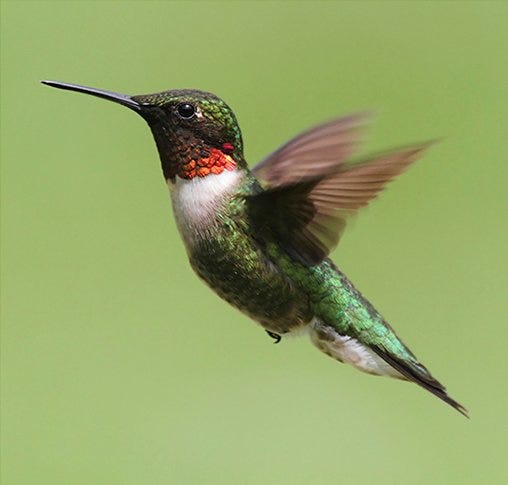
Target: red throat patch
(216, 162)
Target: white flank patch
(195, 201)
(350, 351)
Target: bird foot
(276, 337)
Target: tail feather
(375, 359)
(421, 376)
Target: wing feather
(314, 152)
(308, 217)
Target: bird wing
(313, 152)
(307, 215)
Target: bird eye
(186, 110)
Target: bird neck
(183, 155)
(202, 163)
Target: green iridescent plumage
(261, 239)
(283, 295)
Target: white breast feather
(195, 201)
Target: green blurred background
(120, 367)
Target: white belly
(349, 350)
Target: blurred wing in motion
(313, 153)
(308, 217)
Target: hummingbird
(261, 238)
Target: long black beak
(100, 93)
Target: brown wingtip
(423, 146)
(417, 148)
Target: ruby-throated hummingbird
(260, 238)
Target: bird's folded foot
(276, 337)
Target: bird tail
(416, 372)
(377, 361)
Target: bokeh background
(120, 367)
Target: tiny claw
(276, 337)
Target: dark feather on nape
(418, 374)
(313, 153)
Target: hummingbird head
(196, 133)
